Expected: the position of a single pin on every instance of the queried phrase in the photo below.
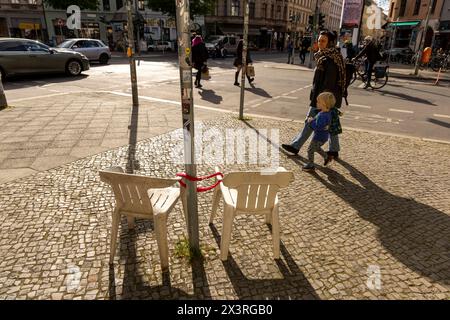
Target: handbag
(205, 73)
(250, 71)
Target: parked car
(93, 49)
(160, 46)
(229, 43)
(24, 56)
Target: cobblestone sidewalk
(384, 209)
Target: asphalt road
(403, 107)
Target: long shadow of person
(259, 91)
(416, 234)
(210, 95)
(294, 284)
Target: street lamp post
(422, 39)
(187, 106)
(244, 59)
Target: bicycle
(379, 76)
(440, 62)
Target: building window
(106, 5)
(235, 7)
(417, 7)
(15, 1)
(402, 8)
(433, 7)
(32, 2)
(119, 4)
(392, 9)
(252, 9)
(225, 8)
(264, 11)
(285, 13)
(272, 12)
(141, 5)
(279, 12)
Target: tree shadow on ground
(416, 234)
(406, 97)
(294, 284)
(420, 90)
(210, 95)
(135, 284)
(439, 123)
(38, 80)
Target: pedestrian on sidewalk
(303, 50)
(290, 49)
(238, 62)
(320, 124)
(329, 76)
(199, 58)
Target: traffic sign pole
(187, 105)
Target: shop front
(29, 28)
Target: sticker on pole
(188, 51)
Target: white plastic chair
(250, 193)
(142, 197)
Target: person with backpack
(199, 58)
(372, 54)
(330, 76)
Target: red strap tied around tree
(200, 189)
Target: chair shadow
(416, 234)
(210, 95)
(294, 284)
(439, 123)
(134, 285)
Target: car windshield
(65, 44)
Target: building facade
(442, 36)
(270, 21)
(408, 16)
(109, 24)
(333, 11)
(22, 19)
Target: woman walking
(329, 75)
(199, 58)
(238, 62)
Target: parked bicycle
(379, 77)
(440, 61)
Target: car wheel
(104, 58)
(73, 67)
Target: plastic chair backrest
(130, 191)
(257, 191)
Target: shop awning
(403, 24)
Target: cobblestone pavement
(384, 207)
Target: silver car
(94, 49)
(24, 56)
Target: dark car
(24, 56)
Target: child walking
(320, 124)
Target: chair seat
(163, 200)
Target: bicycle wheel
(436, 64)
(378, 83)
